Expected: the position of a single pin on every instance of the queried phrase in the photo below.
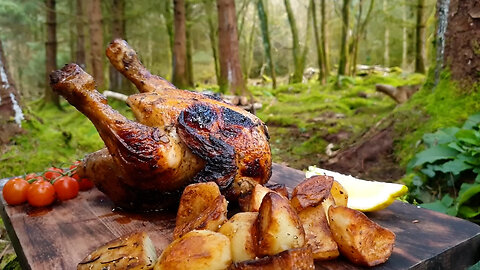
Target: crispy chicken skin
(181, 137)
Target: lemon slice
(363, 195)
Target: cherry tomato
(66, 188)
(15, 191)
(85, 184)
(30, 176)
(41, 193)
(52, 173)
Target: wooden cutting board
(60, 236)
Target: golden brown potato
(361, 240)
(279, 188)
(339, 194)
(278, 226)
(240, 229)
(298, 259)
(210, 218)
(134, 251)
(195, 199)
(317, 233)
(198, 249)
(251, 202)
(311, 192)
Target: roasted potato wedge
(311, 192)
(195, 199)
(278, 226)
(210, 218)
(317, 233)
(251, 202)
(339, 194)
(279, 188)
(298, 259)
(240, 229)
(198, 249)
(134, 251)
(359, 239)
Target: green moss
(52, 137)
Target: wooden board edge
(22, 259)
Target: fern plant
(446, 175)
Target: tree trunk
(462, 45)
(212, 35)
(96, 42)
(249, 51)
(324, 39)
(359, 32)
(117, 81)
(342, 64)
(51, 51)
(188, 15)
(263, 17)
(442, 14)
(320, 60)
(80, 46)
(179, 75)
(420, 38)
(230, 69)
(386, 37)
(9, 103)
(297, 54)
(404, 35)
(167, 14)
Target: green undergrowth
(301, 117)
(428, 110)
(52, 137)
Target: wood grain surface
(60, 236)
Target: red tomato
(85, 183)
(15, 191)
(66, 188)
(53, 173)
(30, 176)
(41, 193)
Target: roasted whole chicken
(180, 137)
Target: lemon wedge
(363, 195)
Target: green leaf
(467, 191)
(456, 146)
(442, 136)
(447, 200)
(467, 136)
(438, 206)
(468, 211)
(472, 121)
(429, 171)
(431, 155)
(455, 166)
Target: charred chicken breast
(180, 137)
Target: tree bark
(179, 75)
(263, 17)
(212, 35)
(324, 38)
(80, 46)
(9, 103)
(404, 35)
(297, 54)
(462, 43)
(96, 42)
(420, 38)
(188, 32)
(442, 15)
(51, 51)
(117, 81)
(320, 59)
(359, 31)
(230, 69)
(342, 64)
(167, 14)
(386, 37)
